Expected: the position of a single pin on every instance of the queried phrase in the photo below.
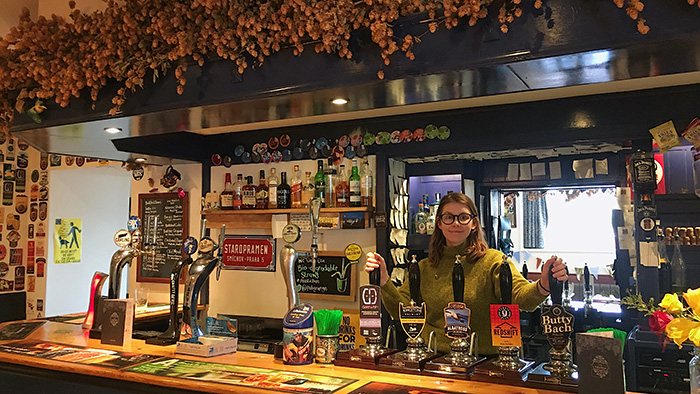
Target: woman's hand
(374, 261)
(558, 270)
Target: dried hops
(58, 59)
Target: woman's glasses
(462, 218)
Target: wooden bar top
(73, 334)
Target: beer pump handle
(555, 288)
(586, 278)
(458, 280)
(505, 278)
(374, 277)
(414, 280)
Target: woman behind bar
(458, 232)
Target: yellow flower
(692, 297)
(694, 336)
(671, 303)
(680, 329)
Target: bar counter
(25, 373)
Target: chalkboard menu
(333, 279)
(171, 213)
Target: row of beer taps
(198, 270)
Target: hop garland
(58, 59)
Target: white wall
(100, 197)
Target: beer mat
(237, 375)
(381, 387)
(77, 354)
(18, 331)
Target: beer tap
(197, 274)
(129, 242)
(567, 291)
(289, 255)
(560, 364)
(172, 333)
(460, 346)
(508, 356)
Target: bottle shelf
(262, 218)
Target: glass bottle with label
(434, 206)
(320, 184)
(366, 185)
(331, 182)
(308, 191)
(272, 188)
(430, 223)
(296, 187)
(238, 192)
(248, 191)
(354, 185)
(284, 193)
(678, 281)
(342, 191)
(420, 220)
(227, 194)
(262, 193)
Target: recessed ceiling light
(140, 160)
(339, 101)
(112, 130)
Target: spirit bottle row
(331, 184)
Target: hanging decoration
(128, 42)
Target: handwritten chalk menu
(334, 277)
(171, 213)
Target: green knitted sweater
(481, 289)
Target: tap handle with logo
(505, 279)
(414, 280)
(555, 288)
(458, 280)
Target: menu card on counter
(117, 320)
(599, 358)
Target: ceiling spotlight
(112, 130)
(140, 160)
(339, 101)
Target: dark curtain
(534, 219)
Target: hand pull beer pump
(290, 255)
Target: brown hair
(476, 241)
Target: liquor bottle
(227, 194)
(366, 185)
(678, 282)
(434, 206)
(342, 191)
(284, 193)
(331, 182)
(296, 187)
(238, 192)
(272, 187)
(320, 184)
(262, 193)
(248, 191)
(665, 274)
(430, 222)
(308, 191)
(420, 220)
(354, 184)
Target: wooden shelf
(262, 218)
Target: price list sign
(167, 214)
